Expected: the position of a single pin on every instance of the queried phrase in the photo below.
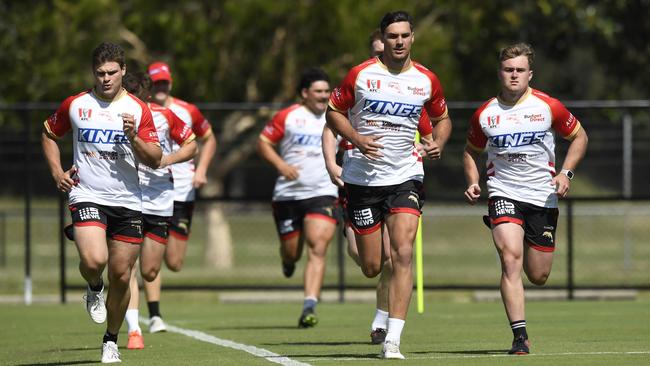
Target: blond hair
(518, 49)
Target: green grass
(450, 332)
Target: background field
(452, 331)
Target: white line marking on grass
(443, 357)
(255, 351)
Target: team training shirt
(389, 105)
(298, 132)
(106, 167)
(158, 184)
(521, 146)
(184, 172)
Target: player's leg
(319, 226)
(540, 227)
(288, 217)
(379, 326)
(90, 239)
(179, 232)
(135, 340)
(151, 257)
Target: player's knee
(538, 279)
(119, 278)
(402, 256)
(175, 265)
(370, 270)
(149, 274)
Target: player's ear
(530, 75)
(123, 70)
(303, 93)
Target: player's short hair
(309, 76)
(516, 50)
(395, 17)
(108, 52)
(137, 83)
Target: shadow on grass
(347, 343)
(467, 352)
(256, 327)
(84, 362)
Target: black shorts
(368, 206)
(289, 215)
(119, 223)
(539, 223)
(181, 221)
(156, 227)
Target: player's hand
(472, 193)
(562, 184)
(431, 149)
(369, 146)
(128, 121)
(199, 179)
(335, 175)
(290, 172)
(164, 161)
(66, 181)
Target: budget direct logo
(99, 136)
(416, 91)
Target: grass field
(452, 331)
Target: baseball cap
(160, 71)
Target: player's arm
(63, 179)
(329, 153)
(470, 167)
(187, 151)
(267, 151)
(574, 155)
(148, 152)
(441, 132)
(340, 124)
(206, 153)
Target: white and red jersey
(184, 172)
(298, 132)
(389, 105)
(158, 184)
(106, 165)
(520, 145)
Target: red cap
(160, 71)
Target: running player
(157, 195)
(516, 129)
(304, 197)
(112, 130)
(378, 108)
(187, 179)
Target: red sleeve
(476, 139)
(424, 125)
(274, 129)
(200, 125)
(564, 122)
(436, 106)
(178, 130)
(146, 128)
(342, 97)
(58, 123)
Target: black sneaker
(288, 269)
(308, 318)
(520, 346)
(378, 336)
(68, 231)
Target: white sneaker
(110, 353)
(156, 324)
(391, 350)
(95, 305)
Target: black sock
(519, 329)
(154, 308)
(108, 337)
(97, 287)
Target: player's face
(160, 91)
(377, 48)
(398, 39)
(108, 79)
(317, 96)
(515, 74)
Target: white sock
(380, 321)
(395, 327)
(132, 320)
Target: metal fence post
(62, 281)
(341, 260)
(28, 207)
(569, 231)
